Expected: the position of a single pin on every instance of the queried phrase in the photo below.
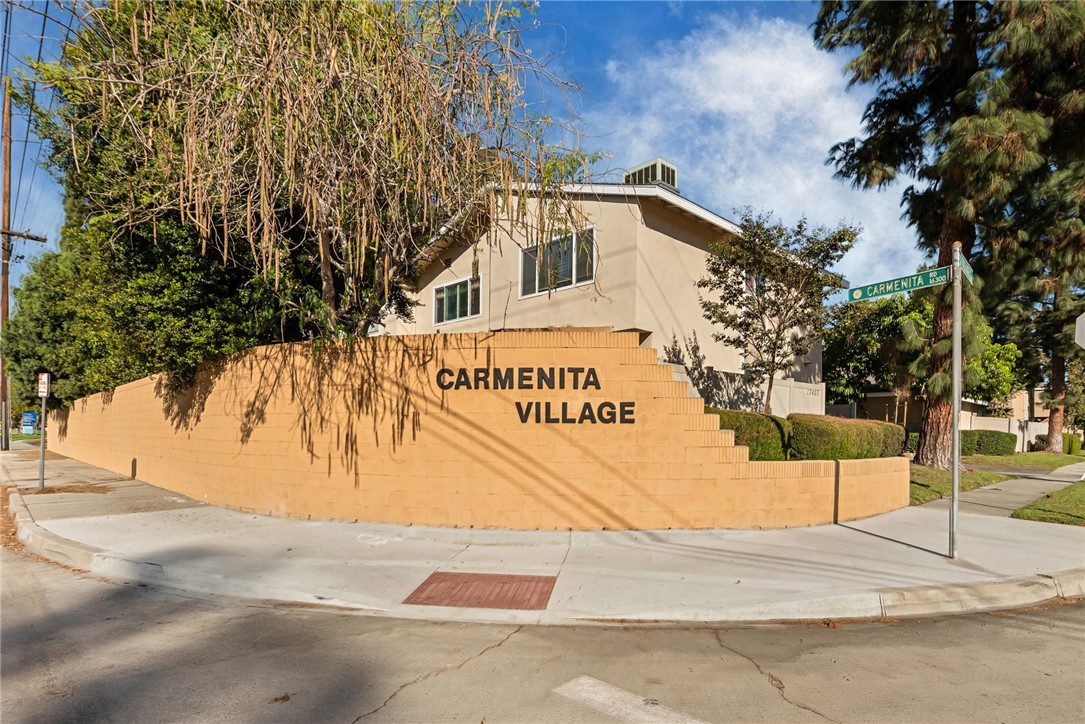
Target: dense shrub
(913, 442)
(992, 442)
(818, 437)
(969, 441)
(766, 436)
(1071, 444)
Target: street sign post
(967, 269)
(935, 278)
(43, 392)
(957, 364)
(930, 278)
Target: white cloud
(748, 112)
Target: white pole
(41, 458)
(956, 398)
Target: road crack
(438, 672)
(776, 682)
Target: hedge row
(982, 442)
(817, 437)
(1071, 444)
(811, 437)
(766, 436)
(992, 442)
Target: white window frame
(576, 283)
(467, 281)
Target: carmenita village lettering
(543, 378)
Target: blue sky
(734, 94)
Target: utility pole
(5, 272)
(5, 221)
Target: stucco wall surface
(375, 431)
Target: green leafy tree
(885, 343)
(993, 376)
(863, 347)
(110, 308)
(769, 287)
(326, 147)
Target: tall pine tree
(983, 106)
(922, 58)
(1024, 155)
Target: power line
(26, 134)
(7, 41)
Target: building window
(458, 300)
(563, 262)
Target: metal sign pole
(41, 458)
(956, 398)
(43, 393)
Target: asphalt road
(79, 649)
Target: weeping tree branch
(325, 146)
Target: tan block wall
(863, 491)
(364, 432)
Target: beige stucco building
(633, 266)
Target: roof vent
(657, 171)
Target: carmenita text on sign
(585, 412)
(930, 278)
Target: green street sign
(967, 269)
(930, 278)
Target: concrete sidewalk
(889, 565)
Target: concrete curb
(44, 543)
(969, 597)
(913, 601)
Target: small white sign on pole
(43, 393)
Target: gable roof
(661, 193)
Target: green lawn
(1038, 460)
(930, 483)
(20, 437)
(1063, 506)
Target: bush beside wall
(913, 442)
(767, 437)
(1071, 444)
(969, 441)
(992, 442)
(817, 437)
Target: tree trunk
(936, 438)
(1058, 403)
(936, 435)
(768, 397)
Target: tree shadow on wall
(339, 392)
(724, 390)
(184, 398)
(59, 420)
